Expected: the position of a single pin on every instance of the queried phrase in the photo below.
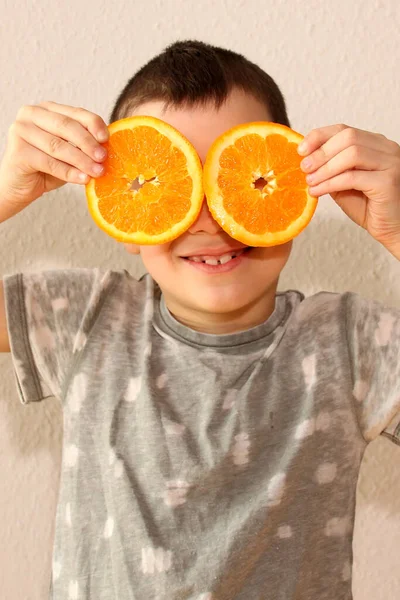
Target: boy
(213, 428)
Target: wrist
(8, 208)
(393, 246)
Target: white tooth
(225, 258)
(216, 261)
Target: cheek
(279, 255)
(155, 257)
(284, 251)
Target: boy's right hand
(48, 145)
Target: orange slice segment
(254, 186)
(151, 190)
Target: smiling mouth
(217, 260)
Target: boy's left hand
(361, 171)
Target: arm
(37, 161)
(361, 171)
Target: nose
(205, 221)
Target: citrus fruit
(254, 186)
(151, 190)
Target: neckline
(170, 325)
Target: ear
(132, 248)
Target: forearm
(9, 207)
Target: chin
(220, 301)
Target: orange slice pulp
(153, 185)
(151, 190)
(254, 186)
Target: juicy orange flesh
(156, 206)
(262, 211)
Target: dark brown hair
(193, 73)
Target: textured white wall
(335, 62)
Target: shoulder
(77, 285)
(122, 282)
(322, 310)
(348, 309)
(316, 307)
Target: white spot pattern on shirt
(73, 590)
(309, 370)
(337, 527)
(117, 462)
(276, 488)
(36, 311)
(56, 570)
(44, 338)
(240, 449)
(175, 495)
(229, 400)
(156, 559)
(133, 390)
(71, 455)
(68, 515)
(60, 303)
(326, 473)
(118, 469)
(161, 380)
(112, 456)
(149, 309)
(109, 528)
(322, 422)
(285, 531)
(346, 571)
(305, 429)
(360, 390)
(80, 341)
(172, 428)
(78, 392)
(384, 330)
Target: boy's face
(235, 299)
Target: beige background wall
(335, 62)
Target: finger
(347, 138)
(363, 181)
(353, 157)
(92, 122)
(58, 148)
(317, 137)
(41, 162)
(65, 127)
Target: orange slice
(254, 186)
(151, 190)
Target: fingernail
(102, 136)
(306, 163)
(98, 169)
(100, 153)
(302, 149)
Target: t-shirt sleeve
(373, 337)
(49, 317)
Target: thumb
(354, 204)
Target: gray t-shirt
(199, 466)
